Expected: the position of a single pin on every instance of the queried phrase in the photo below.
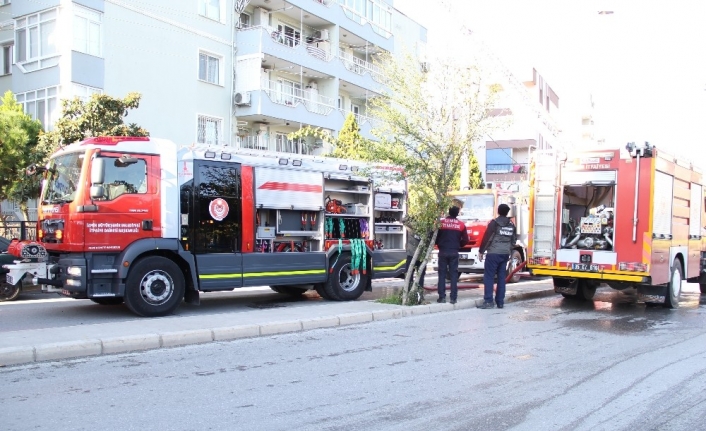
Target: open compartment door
(544, 189)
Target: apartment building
(207, 74)
(506, 152)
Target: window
(340, 103)
(210, 9)
(87, 31)
(85, 92)
(244, 20)
(499, 160)
(121, 179)
(209, 131)
(7, 58)
(287, 35)
(41, 104)
(209, 68)
(35, 36)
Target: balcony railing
(359, 118)
(359, 66)
(362, 20)
(284, 94)
(252, 142)
(501, 168)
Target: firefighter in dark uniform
(498, 241)
(451, 237)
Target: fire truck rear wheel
(8, 292)
(343, 284)
(321, 290)
(586, 290)
(512, 264)
(108, 301)
(671, 299)
(154, 287)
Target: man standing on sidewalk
(451, 237)
(498, 241)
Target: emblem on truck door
(218, 208)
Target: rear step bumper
(592, 275)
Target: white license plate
(464, 256)
(585, 267)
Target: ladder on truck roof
(546, 188)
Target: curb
(134, 343)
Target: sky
(644, 64)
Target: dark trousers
(416, 268)
(449, 261)
(495, 264)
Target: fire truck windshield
(62, 178)
(476, 207)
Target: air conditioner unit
(242, 98)
(321, 35)
(425, 66)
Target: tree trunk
(410, 289)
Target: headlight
(74, 271)
(74, 283)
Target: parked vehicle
(627, 218)
(478, 208)
(140, 221)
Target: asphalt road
(544, 364)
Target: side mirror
(97, 192)
(97, 172)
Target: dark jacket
(500, 237)
(452, 236)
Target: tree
(475, 176)
(19, 148)
(349, 144)
(429, 120)
(101, 115)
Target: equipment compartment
(588, 217)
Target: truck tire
(155, 287)
(586, 290)
(512, 264)
(671, 298)
(342, 284)
(321, 290)
(108, 301)
(9, 292)
(296, 292)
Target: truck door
(545, 189)
(215, 223)
(124, 213)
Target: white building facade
(207, 73)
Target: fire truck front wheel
(154, 287)
(344, 282)
(9, 292)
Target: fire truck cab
(141, 221)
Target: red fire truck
(141, 221)
(478, 208)
(630, 218)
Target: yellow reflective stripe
(594, 275)
(262, 274)
(389, 268)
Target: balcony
(381, 16)
(307, 51)
(360, 66)
(289, 96)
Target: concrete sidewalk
(27, 346)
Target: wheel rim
(7, 290)
(156, 287)
(347, 279)
(514, 263)
(676, 283)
